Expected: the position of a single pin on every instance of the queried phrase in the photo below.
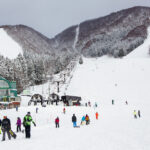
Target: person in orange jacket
(96, 114)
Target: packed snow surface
(96, 80)
(8, 47)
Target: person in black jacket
(74, 120)
(6, 126)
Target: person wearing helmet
(6, 126)
(27, 124)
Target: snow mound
(8, 47)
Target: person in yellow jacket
(135, 115)
(27, 124)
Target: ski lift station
(8, 94)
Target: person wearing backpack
(27, 124)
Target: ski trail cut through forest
(76, 37)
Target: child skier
(18, 124)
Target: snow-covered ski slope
(96, 80)
(8, 47)
(108, 78)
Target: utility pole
(64, 77)
(49, 88)
(58, 82)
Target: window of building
(3, 84)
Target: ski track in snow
(76, 37)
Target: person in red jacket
(96, 114)
(57, 122)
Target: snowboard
(12, 134)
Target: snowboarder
(18, 124)
(126, 103)
(135, 116)
(64, 110)
(87, 119)
(139, 113)
(27, 124)
(83, 120)
(96, 114)
(6, 126)
(57, 122)
(74, 120)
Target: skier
(6, 126)
(86, 104)
(135, 116)
(18, 124)
(89, 103)
(87, 119)
(37, 110)
(126, 103)
(139, 113)
(112, 102)
(57, 122)
(74, 120)
(83, 120)
(27, 124)
(95, 104)
(64, 110)
(16, 108)
(96, 114)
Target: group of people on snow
(5, 126)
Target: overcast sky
(52, 16)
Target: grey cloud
(52, 16)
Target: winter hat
(28, 113)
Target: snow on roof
(8, 47)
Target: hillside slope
(107, 78)
(8, 47)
